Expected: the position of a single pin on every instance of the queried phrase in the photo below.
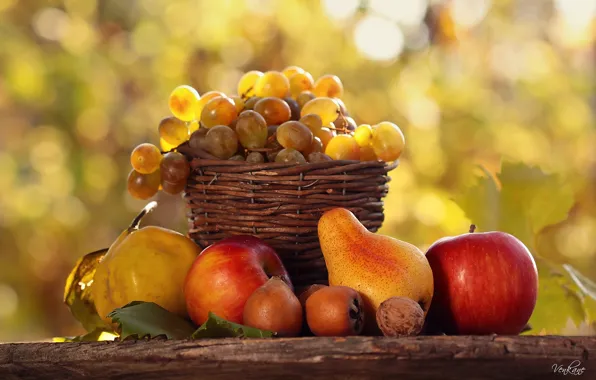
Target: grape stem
(146, 210)
(472, 228)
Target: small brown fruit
(335, 311)
(308, 292)
(400, 316)
(274, 307)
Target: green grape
(329, 86)
(290, 71)
(388, 141)
(197, 139)
(249, 104)
(289, 155)
(221, 141)
(145, 158)
(316, 146)
(182, 102)
(363, 135)
(312, 121)
(294, 108)
(326, 108)
(325, 135)
(246, 84)
(173, 188)
(318, 157)
(304, 97)
(219, 111)
(295, 135)
(300, 82)
(273, 149)
(255, 158)
(272, 84)
(343, 147)
(274, 110)
(237, 157)
(251, 129)
(238, 102)
(367, 153)
(174, 167)
(206, 98)
(173, 130)
(143, 186)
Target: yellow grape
(173, 130)
(318, 157)
(219, 111)
(325, 107)
(143, 186)
(221, 141)
(183, 101)
(295, 135)
(249, 104)
(174, 167)
(165, 146)
(255, 158)
(363, 135)
(315, 147)
(300, 82)
(272, 84)
(312, 121)
(367, 153)
(342, 106)
(206, 98)
(274, 110)
(246, 84)
(329, 85)
(193, 126)
(343, 147)
(388, 141)
(325, 135)
(173, 188)
(238, 102)
(291, 70)
(289, 155)
(145, 158)
(304, 97)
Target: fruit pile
(242, 282)
(277, 116)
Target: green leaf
(77, 291)
(559, 301)
(216, 327)
(93, 336)
(147, 319)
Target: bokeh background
(470, 82)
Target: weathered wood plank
(423, 357)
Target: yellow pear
(378, 267)
(144, 264)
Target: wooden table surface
(423, 357)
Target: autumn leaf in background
(523, 201)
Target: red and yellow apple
(485, 283)
(226, 273)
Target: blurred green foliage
(470, 83)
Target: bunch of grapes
(277, 116)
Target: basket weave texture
(282, 204)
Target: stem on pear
(472, 228)
(146, 210)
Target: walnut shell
(400, 316)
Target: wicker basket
(282, 204)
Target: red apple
(226, 273)
(485, 283)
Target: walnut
(400, 316)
